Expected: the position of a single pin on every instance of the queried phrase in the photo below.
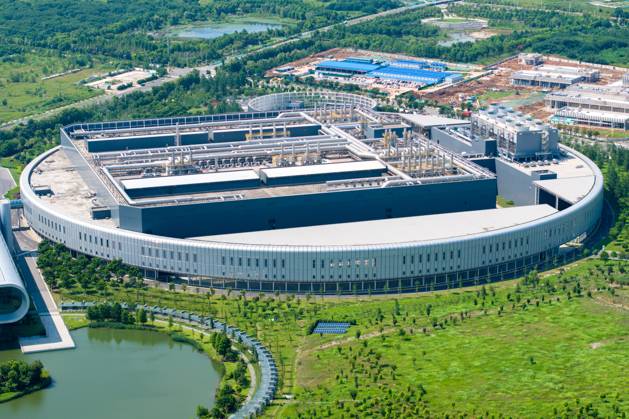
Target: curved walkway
(264, 392)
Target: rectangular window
(142, 250)
(194, 257)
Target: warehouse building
(340, 210)
(413, 71)
(600, 106)
(550, 76)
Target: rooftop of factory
(349, 65)
(570, 189)
(405, 70)
(410, 74)
(508, 118)
(609, 94)
(428, 121)
(592, 114)
(565, 69)
(567, 165)
(395, 230)
(262, 164)
(534, 74)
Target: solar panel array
(331, 328)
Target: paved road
(57, 334)
(6, 181)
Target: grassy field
(521, 348)
(23, 92)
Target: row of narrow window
(505, 245)
(233, 261)
(185, 256)
(88, 238)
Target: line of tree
(63, 270)
(107, 312)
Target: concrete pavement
(57, 334)
(6, 180)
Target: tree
(353, 393)
(225, 401)
(141, 316)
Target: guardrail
(264, 392)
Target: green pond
(215, 30)
(118, 374)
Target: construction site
(518, 82)
(393, 74)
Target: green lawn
(502, 348)
(521, 364)
(23, 92)
(15, 167)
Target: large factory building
(313, 192)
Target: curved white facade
(312, 99)
(10, 281)
(410, 265)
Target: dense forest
(582, 37)
(129, 30)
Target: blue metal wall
(312, 209)
(320, 177)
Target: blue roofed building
(426, 77)
(346, 67)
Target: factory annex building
(315, 192)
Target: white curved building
(14, 300)
(334, 200)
